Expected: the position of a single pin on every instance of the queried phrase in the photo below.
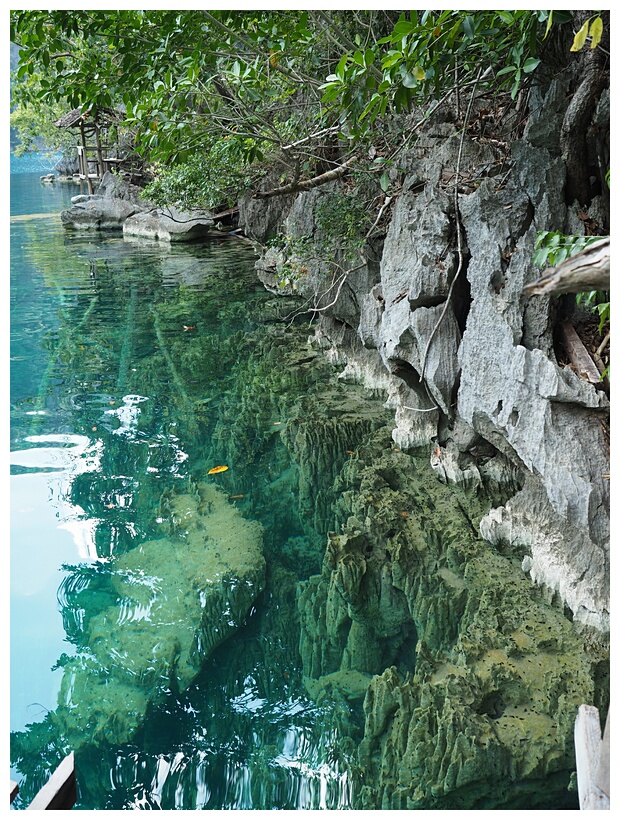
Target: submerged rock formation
(155, 633)
(472, 678)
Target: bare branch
(332, 130)
(388, 199)
(585, 271)
(308, 184)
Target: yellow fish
(217, 470)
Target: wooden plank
(60, 791)
(588, 746)
(578, 355)
(14, 790)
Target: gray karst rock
(97, 214)
(168, 225)
(117, 205)
(465, 586)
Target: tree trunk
(574, 129)
(308, 184)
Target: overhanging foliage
(304, 88)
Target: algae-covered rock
(477, 678)
(174, 600)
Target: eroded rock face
(523, 402)
(438, 324)
(473, 677)
(172, 601)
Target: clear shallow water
(135, 369)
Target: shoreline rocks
(117, 205)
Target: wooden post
(14, 790)
(85, 157)
(100, 168)
(60, 791)
(592, 755)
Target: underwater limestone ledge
(476, 679)
(178, 599)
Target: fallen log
(308, 184)
(585, 271)
(578, 354)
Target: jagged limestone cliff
(465, 589)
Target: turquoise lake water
(136, 369)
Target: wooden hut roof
(104, 116)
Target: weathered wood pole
(60, 791)
(592, 756)
(84, 157)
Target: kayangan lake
(232, 584)
(161, 524)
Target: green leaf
(402, 98)
(392, 58)
(530, 64)
(402, 29)
(549, 24)
(562, 16)
(342, 64)
(469, 28)
(372, 104)
(384, 181)
(332, 91)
